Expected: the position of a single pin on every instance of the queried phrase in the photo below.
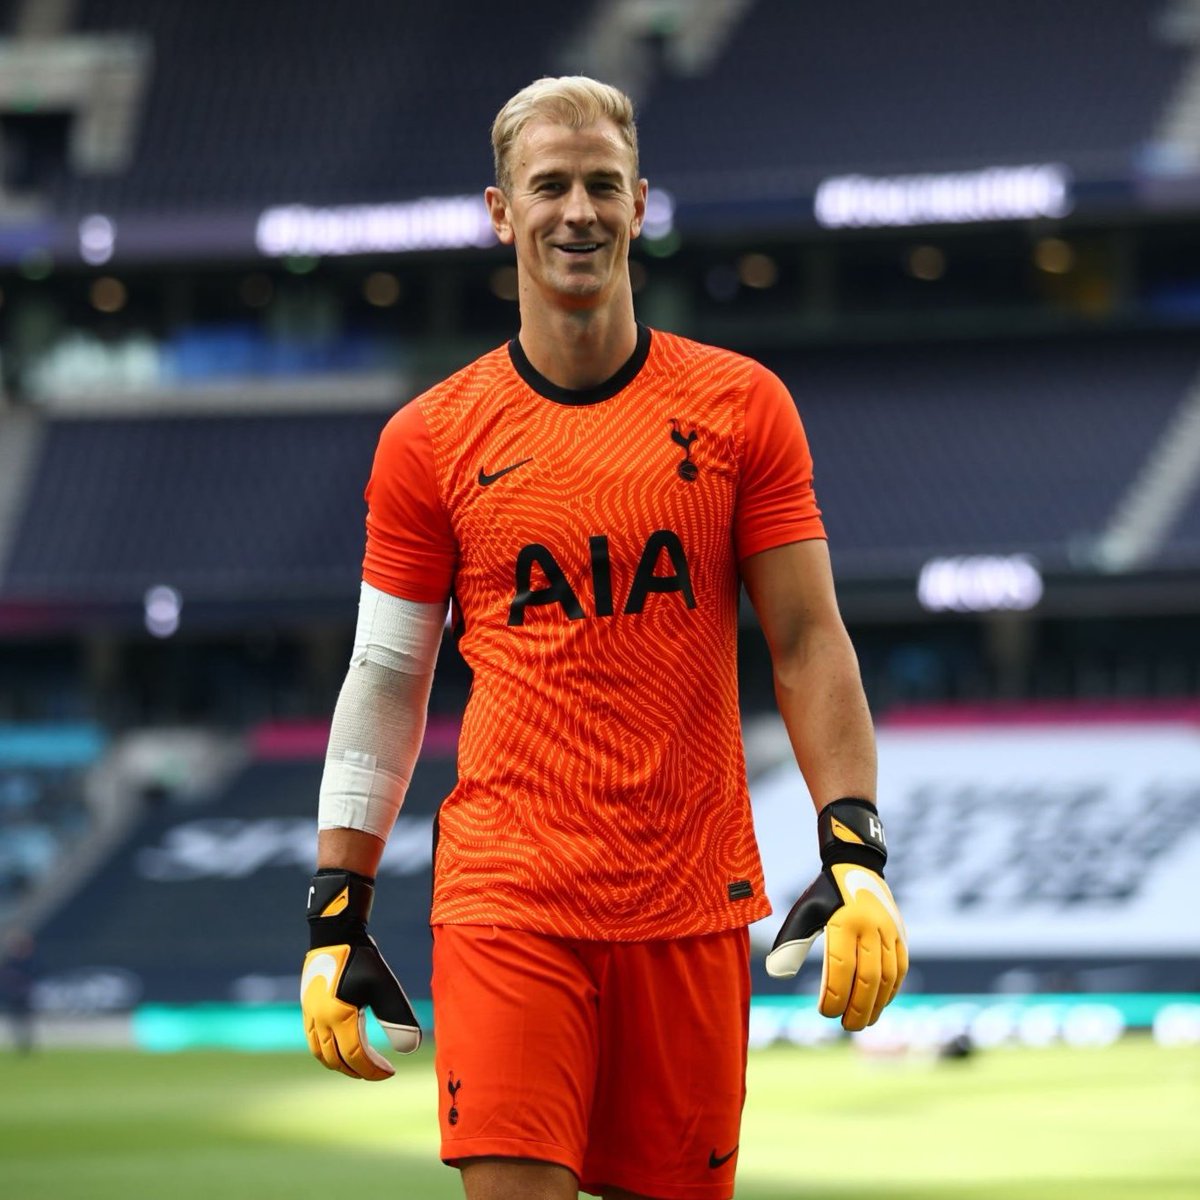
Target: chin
(579, 289)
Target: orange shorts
(623, 1061)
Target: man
(591, 494)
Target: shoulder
(468, 385)
(447, 401)
(703, 365)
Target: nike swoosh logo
(485, 479)
(320, 966)
(867, 881)
(714, 1161)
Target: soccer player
(592, 495)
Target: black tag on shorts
(743, 889)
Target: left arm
(821, 700)
(817, 683)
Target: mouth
(579, 248)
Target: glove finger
(362, 1057)
(327, 1049)
(785, 960)
(390, 1005)
(404, 1038)
(353, 1049)
(323, 1011)
(867, 978)
(310, 1033)
(901, 962)
(888, 976)
(837, 973)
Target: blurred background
(235, 237)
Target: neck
(578, 348)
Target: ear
(640, 191)
(497, 205)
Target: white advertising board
(1062, 838)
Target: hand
(344, 974)
(866, 955)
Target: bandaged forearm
(379, 719)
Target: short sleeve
(776, 503)
(411, 549)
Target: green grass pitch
(1011, 1124)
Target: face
(571, 209)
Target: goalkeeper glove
(866, 957)
(343, 974)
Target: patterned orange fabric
(590, 541)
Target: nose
(579, 209)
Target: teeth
(582, 246)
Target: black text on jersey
(558, 590)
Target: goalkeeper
(592, 494)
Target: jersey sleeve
(776, 503)
(411, 549)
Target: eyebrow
(559, 172)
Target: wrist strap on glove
(339, 907)
(850, 831)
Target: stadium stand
(43, 812)
(363, 101)
(328, 105)
(187, 875)
(1039, 439)
(222, 506)
(868, 86)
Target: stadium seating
(862, 85)
(920, 451)
(280, 101)
(964, 449)
(272, 102)
(207, 901)
(42, 808)
(217, 507)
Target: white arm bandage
(379, 720)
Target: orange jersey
(590, 541)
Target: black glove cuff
(857, 819)
(339, 906)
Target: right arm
(350, 849)
(374, 740)
(380, 715)
(377, 728)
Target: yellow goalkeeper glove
(866, 955)
(344, 974)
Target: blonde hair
(572, 100)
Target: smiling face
(571, 209)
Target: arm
(817, 683)
(349, 849)
(374, 739)
(821, 700)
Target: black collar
(593, 395)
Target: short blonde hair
(572, 100)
